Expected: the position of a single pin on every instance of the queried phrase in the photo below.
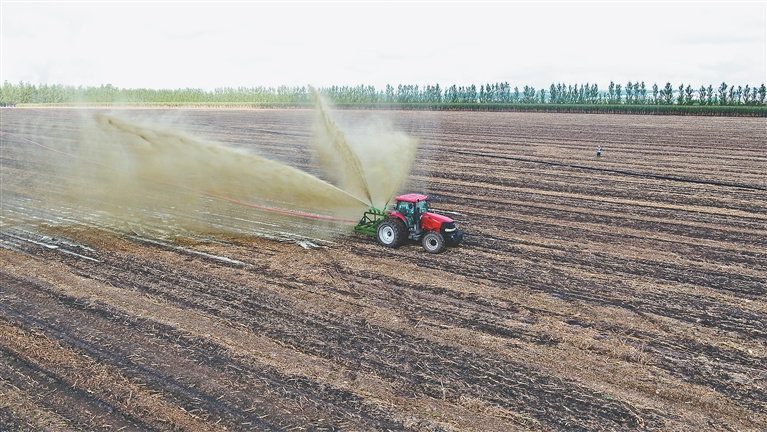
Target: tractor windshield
(407, 209)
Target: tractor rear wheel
(434, 242)
(391, 233)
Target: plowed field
(587, 295)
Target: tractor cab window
(408, 208)
(405, 208)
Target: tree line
(633, 93)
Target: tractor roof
(413, 197)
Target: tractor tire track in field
(580, 299)
(614, 171)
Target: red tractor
(411, 219)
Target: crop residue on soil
(582, 300)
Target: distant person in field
(599, 151)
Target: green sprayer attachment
(370, 221)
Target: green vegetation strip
(686, 110)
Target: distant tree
(25, 93)
(618, 92)
(611, 93)
(642, 93)
(505, 92)
(7, 94)
(431, 94)
(667, 94)
(722, 94)
(629, 92)
(463, 92)
(582, 94)
(655, 94)
(739, 99)
(745, 95)
(553, 94)
(471, 94)
(680, 95)
(688, 91)
(762, 94)
(594, 94)
(451, 94)
(389, 93)
(702, 95)
(528, 94)
(752, 97)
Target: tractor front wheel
(434, 242)
(391, 233)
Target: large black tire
(434, 242)
(391, 233)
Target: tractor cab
(411, 207)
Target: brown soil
(579, 300)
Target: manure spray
(154, 179)
(156, 155)
(374, 160)
(333, 151)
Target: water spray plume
(350, 175)
(371, 162)
(162, 155)
(115, 171)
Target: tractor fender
(398, 215)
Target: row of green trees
(634, 93)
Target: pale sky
(205, 45)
